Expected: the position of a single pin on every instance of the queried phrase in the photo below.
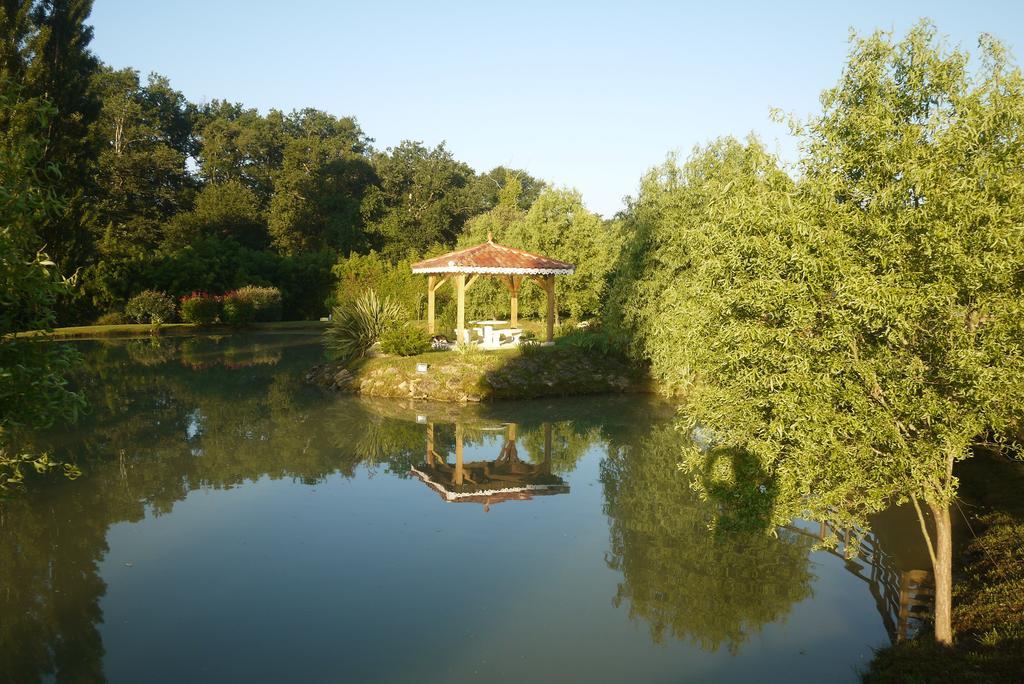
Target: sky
(587, 95)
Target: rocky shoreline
(466, 378)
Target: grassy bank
(988, 593)
(473, 376)
(138, 329)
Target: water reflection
(173, 416)
(489, 482)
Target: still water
(234, 524)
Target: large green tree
(856, 332)
(319, 188)
(142, 172)
(46, 54)
(33, 375)
(420, 199)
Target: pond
(235, 524)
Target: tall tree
(54, 64)
(320, 186)
(142, 172)
(33, 383)
(238, 144)
(420, 200)
(858, 332)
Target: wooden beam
(549, 287)
(460, 297)
(430, 445)
(438, 282)
(469, 283)
(513, 283)
(431, 287)
(457, 476)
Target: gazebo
(509, 264)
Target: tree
(485, 190)
(559, 225)
(858, 332)
(320, 186)
(142, 170)
(420, 199)
(238, 144)
(227, 210)
(49, 60)
(33, 384)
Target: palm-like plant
(359, 324)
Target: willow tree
(858, 331)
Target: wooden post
(460, 296)
(458, 450)
(549, 287)
(430, 445)
(431, 286)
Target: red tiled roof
(490, 257)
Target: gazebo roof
(490, 257)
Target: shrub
(200, 308)
(266, 301)
(595, 339)
(404, 340)
(358, 326)
(150, 306)
(237, 309)
(110, 318)
(357, 273)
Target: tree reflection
(687, 581)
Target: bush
(265, 301)
(150, 306)
(359, 325)
(110, 318)
(357, 273)
(200, 308)
(595, 339)
(404, 340)
(237, 309)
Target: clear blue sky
(583, 94)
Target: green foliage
(228, 210)
(200, 308)
(420, 199)
(595, 338)
(359, 272)
(33, 375)
(150, 306)
(404, 340)
(265, 301)
(110, 318)
(46, 58)
(713, 588)
(145, 133)
(856, 331)
(237, 309)
(320, 185)
(214, 265)
(358, 326)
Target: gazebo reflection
(489, 482)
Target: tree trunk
(943, 571)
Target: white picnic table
(492, 333)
